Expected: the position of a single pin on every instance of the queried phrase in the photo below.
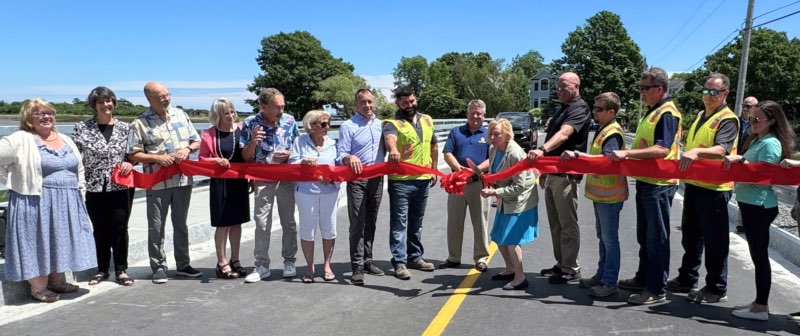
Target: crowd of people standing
(49, 173)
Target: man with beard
(409, 138)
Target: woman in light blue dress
(516, 221)
(49, 231)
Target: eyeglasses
(41, 115)
(598, 109)
(754, 120)
(712, 92)
(647, 87)
(163, 97)
(322, 124)
(747, 106)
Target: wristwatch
(541, 148)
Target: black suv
(525, 133)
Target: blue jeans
(653, 206)
(606, 218)
(407, 200)
(705, 227)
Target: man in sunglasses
(747, 107)
(657, 137)
(713, 135)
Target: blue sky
(60, 50)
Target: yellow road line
(450, 307)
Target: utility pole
(748, 27)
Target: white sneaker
(751, 315)
(288, 270)
(258, 273)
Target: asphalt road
(389, 306)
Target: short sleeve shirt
(279, 137)
(576, 114)
(466, 145)
(390, 129)
(152, 134)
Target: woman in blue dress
(49, 231)
(516, 221)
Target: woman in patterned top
(103, 141)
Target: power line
(776, 9)
(695, 29)
(682, 27)
(780, 18)
(713, 49)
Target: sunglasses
(322, 124)
(746, 106)
(712, 92)
(754, 120)
(598, 109)
(647, 87)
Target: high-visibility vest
(645, 137)
(606, 188)
(413, 149)
(704, 138)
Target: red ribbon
(269, 172)
(757, 173)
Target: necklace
(48, 140)
(219, 146)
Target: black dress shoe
(501, 276)
(449, 264)
(521, 285)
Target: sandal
(62, 287)
(226, 275)
(236, 266)
(45, 295)
(329, 276)
(98, 278)
(123, 280)
(308, 278)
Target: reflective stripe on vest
(645, 137)
(606, 188)
(413, 149)
(704, 138)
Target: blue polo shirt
(463, 144)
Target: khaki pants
(561, 199)
(456, 216)
(263, 202)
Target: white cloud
(383, 83)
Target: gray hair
(314, 116)
(218, 107)
(657, 75)
(476, 103)
(266, 95)
(726, 82)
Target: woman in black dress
(229, 202)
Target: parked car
(525, 133)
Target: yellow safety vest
(704, 138)
(645, 137)
(413, 149)
(606, 188)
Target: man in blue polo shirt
(468, 142)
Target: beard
(407, 113)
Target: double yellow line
(442, 319)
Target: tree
(529, 64)
(412, 72)
(383, 107)
(339, 91)
(296, 63)
(604, 56)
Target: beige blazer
(518, 193)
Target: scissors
(475, 170)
